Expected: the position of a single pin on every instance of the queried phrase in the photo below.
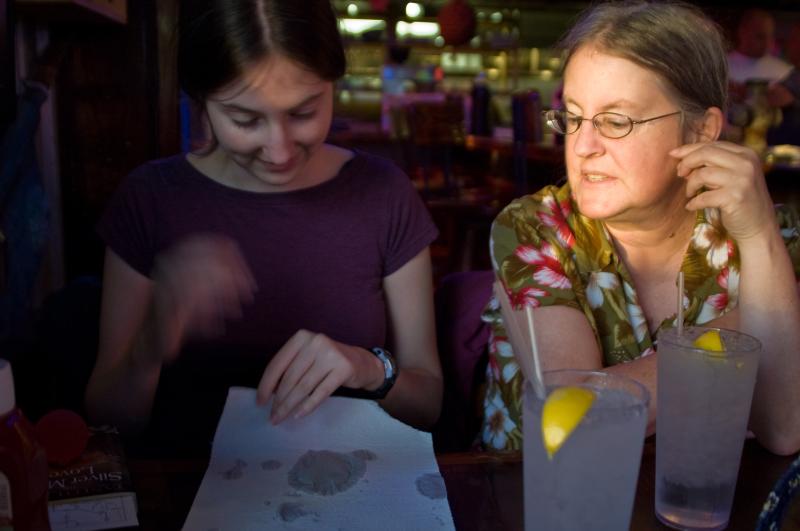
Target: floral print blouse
(546, 253)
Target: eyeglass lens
(612, 125)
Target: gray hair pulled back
(676, 41)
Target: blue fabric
(779, 499)
(24, 213)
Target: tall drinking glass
(703, 407)
(590, 482)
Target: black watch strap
(390, 376)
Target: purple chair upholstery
(463, 349)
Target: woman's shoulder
(370, 165)
(159, 181)
(171, 173)
(550, 203)
(377, 177)
(166, 167)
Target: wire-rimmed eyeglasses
(609, 124)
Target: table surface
(484, 490)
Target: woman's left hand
(729, 177)
(309, 368)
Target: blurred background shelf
(68, 11)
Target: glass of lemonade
(590, 482)
(703, 407)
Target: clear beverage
(591, 481)
(703, 407)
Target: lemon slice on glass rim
(563, 410)
(710, 340)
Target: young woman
(650, 191)
(270, 259)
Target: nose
(277, 147)
(587, 140)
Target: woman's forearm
(645, 371)
(770, 310)
(122, 387)
(415, 398)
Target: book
(95, 491)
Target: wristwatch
(390, 371)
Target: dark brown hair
(219, 39)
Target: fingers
(238, 272)
(323, 390)
(708, 199)
(710, 178)
(317, 385)
(202, 282)
(729, 177)
(719, 154)
(278, 365)
(717, 165)
(307, 370)
(298, 375)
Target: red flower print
(556, 218)
(527, 296)
(547, 270)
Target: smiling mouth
(279, 168)
(595, 178)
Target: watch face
(388, 361)
(390, 370)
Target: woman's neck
(654, 242)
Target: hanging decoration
(457, 22)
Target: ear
(709, 127)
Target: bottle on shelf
(480, 122)
(23, 465)
(526, 116)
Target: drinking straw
(679, 317)
(537, 368)
(532, 372)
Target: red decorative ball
(64, 435)
(457, 22)
(379, 5)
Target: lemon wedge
(563, 410)
(710, 341)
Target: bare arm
(565, 340)
(730, 177)
(195, 287)
(769, 309)
(124, 380)
(417, 395)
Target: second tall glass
(703, 407)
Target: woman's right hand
(197, 285)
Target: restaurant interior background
(417, 74)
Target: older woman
(650, 191)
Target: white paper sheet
(247, 486)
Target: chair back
(463, 340)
